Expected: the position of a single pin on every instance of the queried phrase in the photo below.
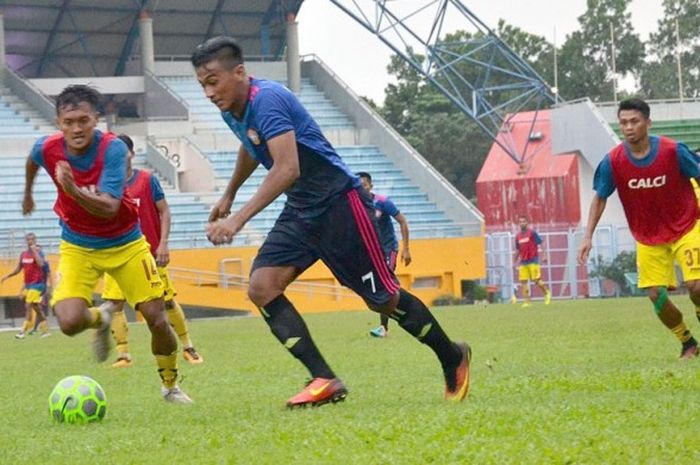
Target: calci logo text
(647, 183)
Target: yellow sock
(697, 312)
(44, 327)
(27, 325)
(177, 319)
(681, 332)
(32, 321)
(120, 332)
(167, 369)
(95, 317)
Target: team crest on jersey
(253, 136)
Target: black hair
(364, 174)
(635, 104)
(74, 95)
(224, 49)
(127, 140)
(697, 150)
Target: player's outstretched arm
(245, 165)
(17, 269)
(405, 251)
(594, 214)
(284, 172)
(30, 172)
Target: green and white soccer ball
(77, 399)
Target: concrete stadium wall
(661, 110)
(276, 70)
(438, 268)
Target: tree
(586, 60)
(659, 77)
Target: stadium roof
(66, 38)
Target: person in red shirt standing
(32, 263)
(527, 255)
(154, 216)
(652, 177)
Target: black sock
(384, 320)
(416, 319)
(289, 328)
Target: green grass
(585, 382)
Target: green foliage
(625, 262)
(581, 382)
(659, 76)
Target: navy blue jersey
(273, 110)
(385, 210)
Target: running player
(100, 231)
(154, 217)
(32, 263)
(384, 211)
(528, 246)
(327, 216)
(651, 176)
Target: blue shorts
(344, 237)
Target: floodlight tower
(479, 73)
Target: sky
(360, 59)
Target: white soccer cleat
(175, 395)
(102, 342)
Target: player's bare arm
(163, 252)
(245, 165)
(12, 273)
(284, 172)
(36, 251)
(594, 214)
(96, 203)
(405, 251)
(31, 170)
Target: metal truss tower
(476, 71)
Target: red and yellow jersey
(145, 189)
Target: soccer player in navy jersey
(384, 211)
(99, 231)
(651, 175)
(327, 216)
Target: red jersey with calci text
(75, 217)
(33, 273)
(526, 242)
(140, 189)
(659, 202)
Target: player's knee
(260, 294)
(70, 324)
(693, 288)
(653, 293)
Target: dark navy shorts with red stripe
(344, 237)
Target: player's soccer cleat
(513, 299)
(192, 356)
(123, 362)
(547, 297)
(45, 335)
(102, 342)
(19, 336)
(379, 331)
(689, 352)
(319, 391)
(526, 305)
(31, 333)
(457, 383)
(175, 395)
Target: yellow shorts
(112, 291)
(32, 296)
(131, 265)
(655, 262)
(529, 272)
(696, 189)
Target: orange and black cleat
(192, 356)
(457, 387)
(319, 391)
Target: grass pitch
(585, 382)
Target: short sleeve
(688, 161)
(603, 181)
(113, 178)
(390, 208)
(37, 152)
(156, 189)
(538, 239)
(273, 112)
